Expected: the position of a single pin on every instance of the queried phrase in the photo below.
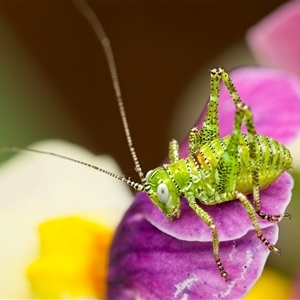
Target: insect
(216, 169)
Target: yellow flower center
(73, 261)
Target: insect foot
(270, 246)
(223, 273)
(275, 218)
(287, 215)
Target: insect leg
(173, 151)
(228, 164)
(246, 114)
(211, 224)
(210, 127)
(254, 160)
(275, 218)
(252, 214)
(194, 141)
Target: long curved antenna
(136, 186)
(92, 18)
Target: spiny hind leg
(252, 140)
(229, 163)
(211, 224)
(210, 127)
(194, 141)
(252, 214)
(229, 158)
(173, 151)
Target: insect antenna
(93, 20)
(136, 186)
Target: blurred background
(55, 82)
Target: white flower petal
(35, 187)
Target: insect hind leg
(252, 214)
(253, 145)
(210, 127)
(227, 168)
(173, 151)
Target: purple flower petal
(146, 261)
(148, 264)
(275, 40)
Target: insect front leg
(211, 224)
(253, 145)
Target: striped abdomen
(273, 159)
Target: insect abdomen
(273, 159)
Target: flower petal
(148, 264)
(151, 256)
(34, 188)
(73, 260)
(275, 40)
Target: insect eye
(163, 193)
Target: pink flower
(275, 40)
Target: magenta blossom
(275, 40)
(154, 258)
